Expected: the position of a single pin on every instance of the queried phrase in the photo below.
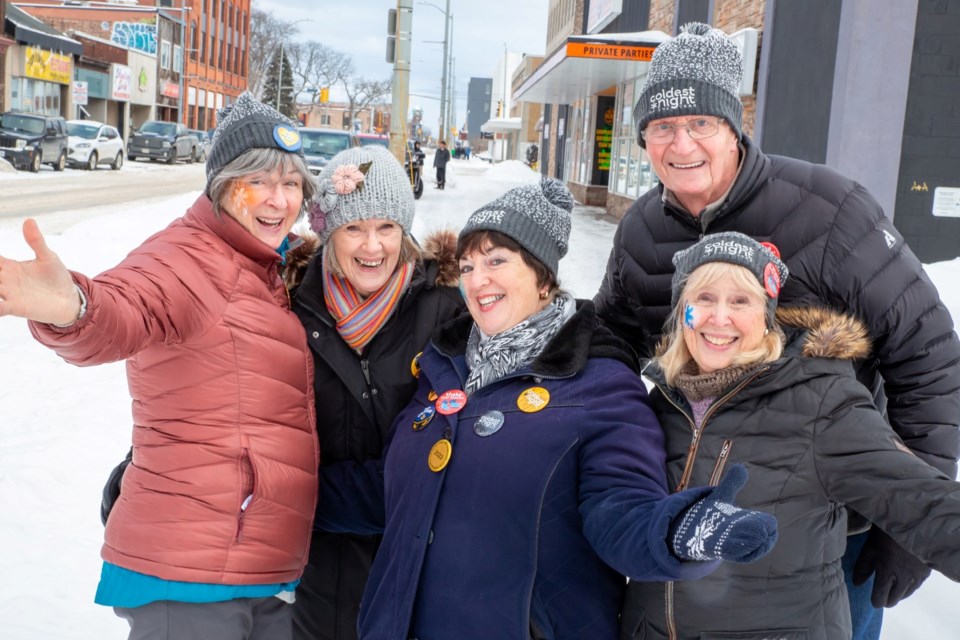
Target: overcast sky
(480, 30)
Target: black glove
(111, 490)
(713, 528)
(899, 572)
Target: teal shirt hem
(121, 587)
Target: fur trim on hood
(440, 247)
(828, 333)
(298, 259)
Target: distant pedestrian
(533, 154)
(440, 160)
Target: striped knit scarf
(359, 320)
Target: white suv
(91, 143)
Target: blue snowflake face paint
(688, 318)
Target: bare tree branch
(316, 65)
(362, 92)
(266, 34)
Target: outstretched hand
(40, 289)
(714, 528)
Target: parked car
(167, 141)
(206, 141)
(92, 143)
(28, 140)
(373, 138)
(319, 145)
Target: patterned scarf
(493, 357)
(697, 386)
(358, 320)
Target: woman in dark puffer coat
(733, 386)
(360, 388)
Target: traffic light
(391, 35)
(324, 95)
(499, 108)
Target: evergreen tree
(286, 105)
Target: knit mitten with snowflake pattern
(713, 528)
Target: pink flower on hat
(347, 178)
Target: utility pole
(401, 79)
(448, 69)
(443, 80)
(453, 96)
(181, 115)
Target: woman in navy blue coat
(527, 477)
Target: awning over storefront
(586, 65)
(29, 30)
(501, 125)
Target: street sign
(80, 93)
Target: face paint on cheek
(688, 318)
(462, 292)
(241, 199)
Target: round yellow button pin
(533, 399)
(415, 365)
(439, 455)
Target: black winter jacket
(358, 396)
(813, 441)
(842, 252)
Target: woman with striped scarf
(369, 297)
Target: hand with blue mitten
(713, 528)
(898, 572)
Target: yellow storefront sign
(47, 65)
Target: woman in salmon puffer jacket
(211, 531)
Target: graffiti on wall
(135, 35)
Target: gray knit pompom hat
(536, 216)
(248, 124)
(362, 183)
(697, 72)
(762, 259)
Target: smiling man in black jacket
(842, 252)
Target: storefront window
(35, 96)
(633, 175)
(584, 138)
(573, 117)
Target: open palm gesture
(40, 289)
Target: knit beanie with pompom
(536, 216)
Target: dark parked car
(206, 141)
(373, 138)
(319, 145)
(28, 140)
(167, 141)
